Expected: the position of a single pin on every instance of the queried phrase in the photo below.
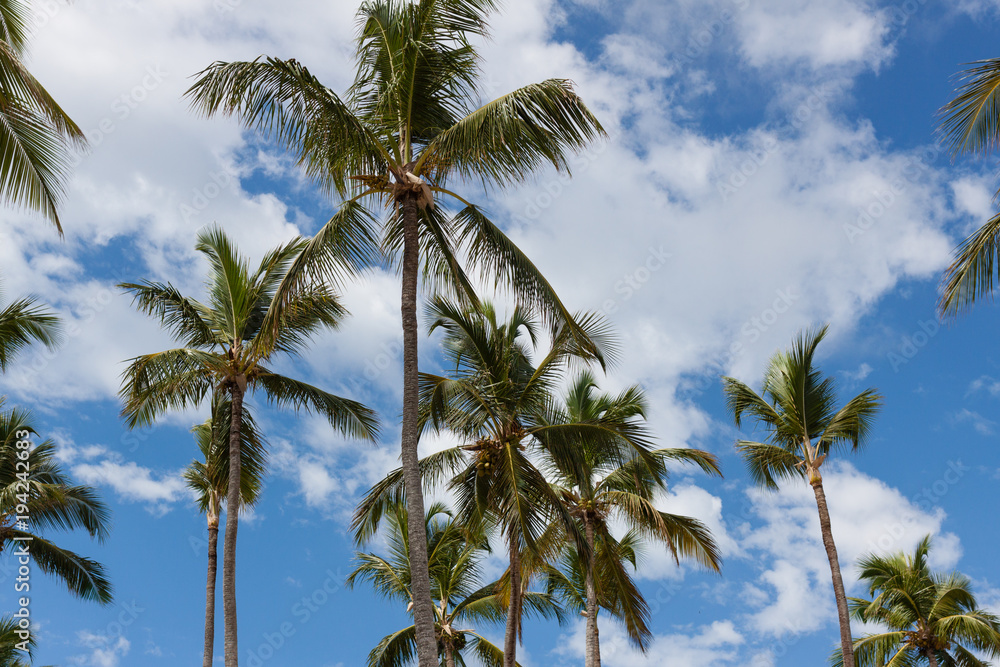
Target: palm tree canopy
(54, 504)
(922, 613)
(225, 340)
(498, 403)
(799, 413)
(209, 478)
(609, 475)
(411, 120)
(460, 598)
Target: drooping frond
(345, 415)
(971, 121)
(972, 273)
(285, 103)
(84, 577)
(22, 323)
(508, 139)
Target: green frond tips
(970, 123)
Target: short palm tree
(609, 476)
(412, 120)
(497, 403)
(53, 503)
(460, 599)
(36, 135)
(803, 426)
(209, 479)
(971, 124)
(227, 344)
(928, 618)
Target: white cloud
(134, 483)
(981, 424)
(838, 32)
(793, 592)
(105, 651)
(704, 646)
(984, 383)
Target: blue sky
(779, 155)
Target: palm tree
(209, 479)
(411, 121)
(53, 502)
(803, 426)
(226, 345)
(36, 135)
(455, 565)
(971, 124)
(929, 618)
(498, 404)
(22, 323)
(607, 477)
(10, 654)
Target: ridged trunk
(932, 659)
(514, 608)
(213, 568)
(449, 655)
(593, 639)
(232, 525)
(420, 583)
(846, 641)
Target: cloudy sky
(771, 166)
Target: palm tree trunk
(232, 525)
(213, 567)
(593, 640)
(449, 655)
(846, 641)
(932, 659)
(514, 609)
(420, 583)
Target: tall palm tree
(607, 476)
(53, 503)
(497, 404)
(803, 426)
(455, 558)
(929, 618)
(411, 121)
(971, 124)
(226, 347)
(36, 135)
(209, 479)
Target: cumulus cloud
(134, 483)
(713, 644)
(792, 592)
